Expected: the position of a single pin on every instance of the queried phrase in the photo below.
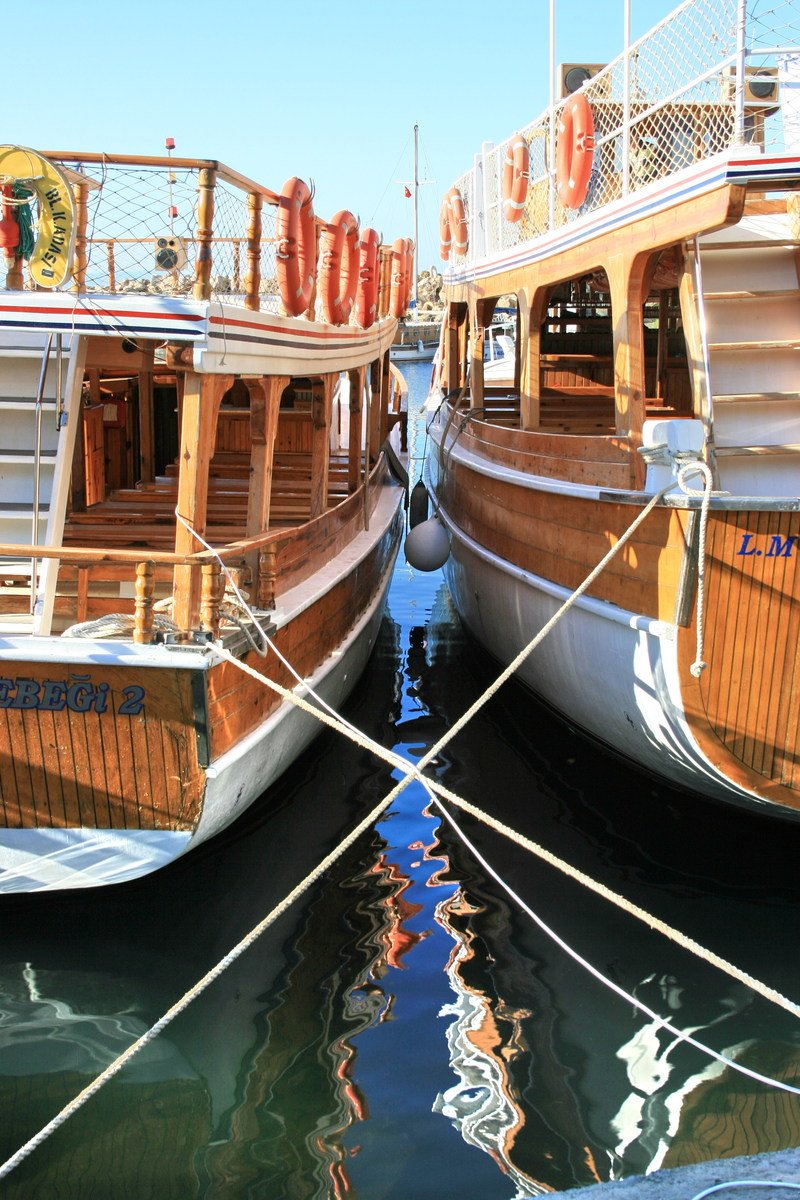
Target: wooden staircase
(752, 303)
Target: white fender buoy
(427, 546)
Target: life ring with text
(297, 246)
(338, 273)
(50, 264)
(367, 290)
(402, 265)
(445, 240)
(575, 151)
(516, 174)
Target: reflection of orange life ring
(297, 247)
(453, 224)
(402, 265)
(367, 291)
(338, 276)
(575, 151)
(515, 178)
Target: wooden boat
(656, 276)
(192, 455)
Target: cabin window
(667, 381)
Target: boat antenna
(416, 216)
(173, 212)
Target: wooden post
(386, 396)
(375, 410)
(81, 258)
(146, 436)
(202, 396)
(112, 275)
(626, 282)
(265, 401)
(356, 378)
(267, 576)
(322, 407)
(210, 598)
(252, 283)
(143, 613)
(312, 302)
(530, 385)
(207, 178)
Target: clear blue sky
(324, 91)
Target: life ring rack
(574, 151)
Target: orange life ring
(516, 174)
(400, 290)
(452, 225)
(338, 275)
(445, 240)
(575, 151)
(367, 290)
(297, 246)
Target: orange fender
(402, 260)
(575, 151)
(367, 290)
(297, 247)
(516, 174)
(338, 276)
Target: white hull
(612, 673)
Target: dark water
(406, 1029)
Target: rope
(698, 666)
(413, 772)
(148, 1036)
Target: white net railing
(678, 97)
(141, 232)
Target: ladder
(752, 304)
(41, 376)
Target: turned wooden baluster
(267, 577)
(210, 598)
(252, 283)
(143, 613)
(81, 259)
(207, 179)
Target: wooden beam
(202, 396)
(356, 378)
(265, 401)
(146, 437)
(322, 407)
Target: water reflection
(405, 1030)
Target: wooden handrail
(146, 160)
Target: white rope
(756, 1183)
(698, 666)
(412, 772)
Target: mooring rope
(413, 772)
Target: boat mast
(416, 216)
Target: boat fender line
(516, 175)
(702, 468)
(367, 289)
(338, 275)
(413, 772)
(574, 151)
(418, 506)
(296, 254)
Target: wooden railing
(285, 556)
